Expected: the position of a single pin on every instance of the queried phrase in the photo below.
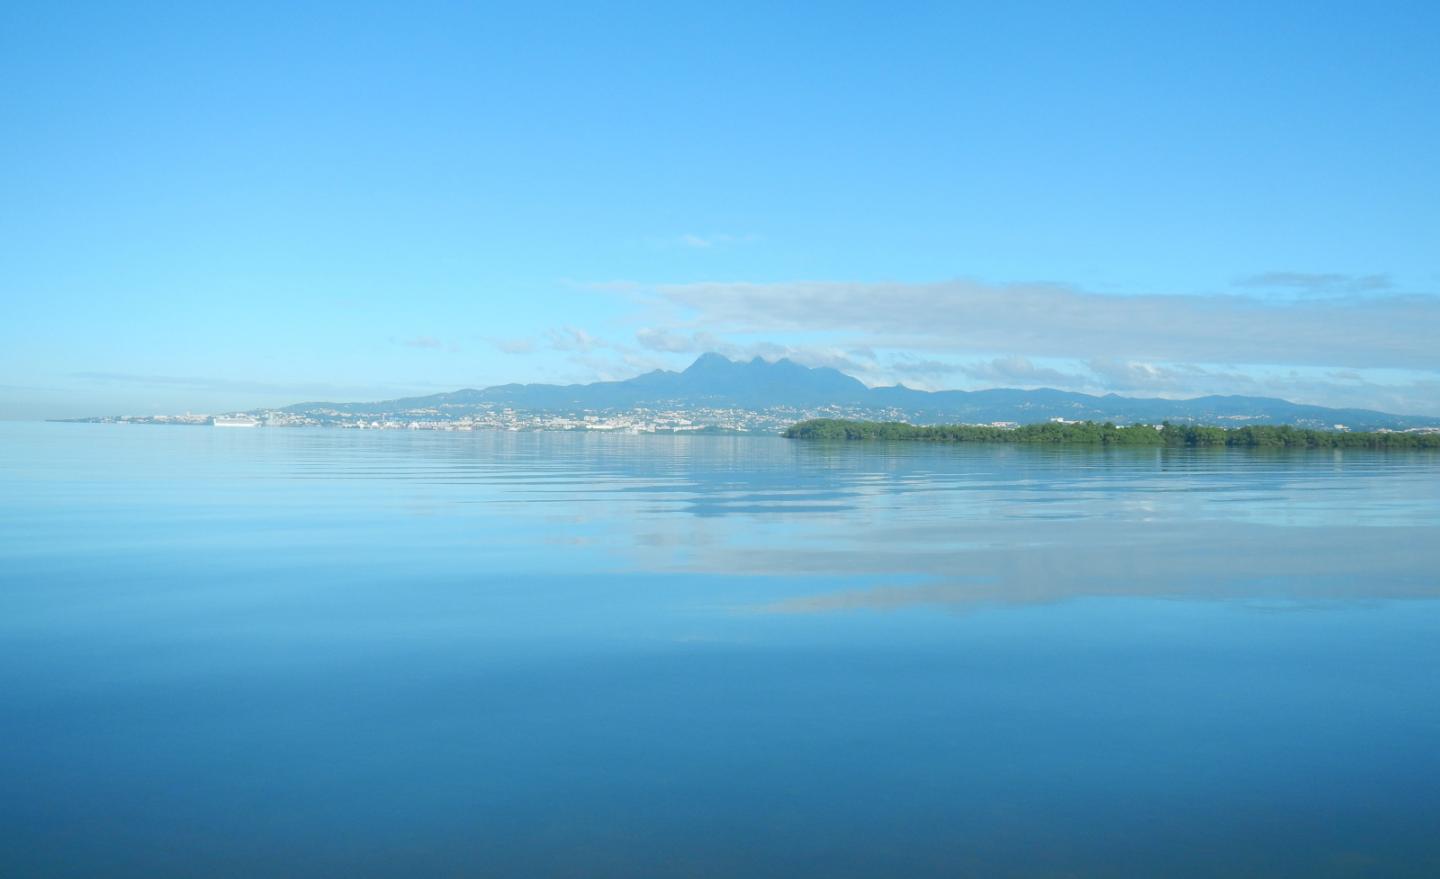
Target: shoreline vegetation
(1095, 434)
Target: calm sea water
(325, 653)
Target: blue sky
(220, 206)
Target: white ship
(235, 421)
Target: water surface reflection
(270, 652)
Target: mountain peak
(758, 381)
(712, 360)
(709, 360)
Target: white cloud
(859, 362)
(514, 346)
(570, 338)
(242, 386)
(1021, 372)
(706, 242)
(673, 342)
(1053, 320)
(1324, 283)
(1167, 379)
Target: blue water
(307, 653)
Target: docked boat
(235, 421)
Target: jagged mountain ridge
(714, 381)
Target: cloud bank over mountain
(1321, 337)
(1054, 320)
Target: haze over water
(318, 652)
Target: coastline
(1107, 434)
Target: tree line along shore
(1107, 434)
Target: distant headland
(758, 396)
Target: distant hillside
(714, 381)
(711, 381)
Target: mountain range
(716, 382)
